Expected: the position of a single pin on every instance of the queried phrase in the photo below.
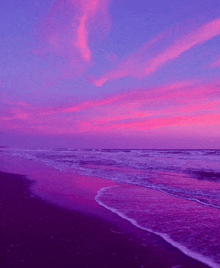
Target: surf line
(192, 254)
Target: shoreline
(82, 205)
(192, 254)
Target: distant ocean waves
(173, 193)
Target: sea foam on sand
(77, 192)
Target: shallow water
(173, 193)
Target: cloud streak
(135, 66)
(180, 104)
(89, 10)
(67, 28)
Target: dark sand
(35, 233)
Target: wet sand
(71, 230)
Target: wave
(193, 254)
(188, 175)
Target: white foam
(182, 197)
(195, 255)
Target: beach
(44, 227)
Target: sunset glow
(103, 70)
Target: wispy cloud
(138, 65)
(139, 111)
(89, 9)
(67, 28)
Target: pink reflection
(66, 189)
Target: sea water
(172, 193)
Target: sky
(110, 74)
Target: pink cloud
(170, 95)
(175, 121)
(179, 104)
(138, 65)
(89, 10)
(200, 36)
(131, 65)
(82, 42)
(67, 28)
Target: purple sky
(110, 74)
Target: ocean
(172, 193)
